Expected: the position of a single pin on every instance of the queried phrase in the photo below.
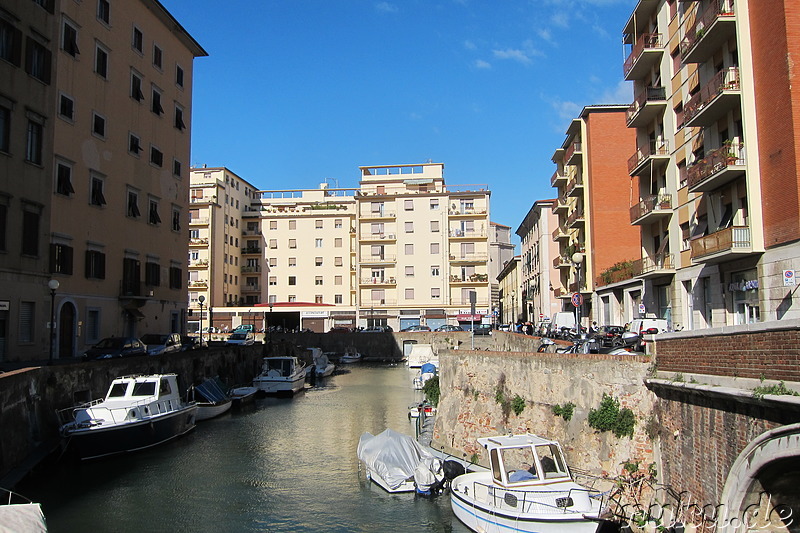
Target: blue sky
(297, 91)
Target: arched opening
(66, 330)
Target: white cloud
(560, 19)
(480, 63)
(545, 35)
(469, 45)
(621, 93)
(512, 53)
(386, 7)
(566, 110)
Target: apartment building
(422, 248)
(105, 99)
(538, 266)
(27, 90)
(718, 203)
(501, 251)
(592, 180)
(509, 292)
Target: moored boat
(18, 514)
(528, 489)
(137, 412)
(426, 372)
(321, 366)
(243, 395)
(281, 375)
(211, 398)
(398, 463)
(421, 354)
(350, 356)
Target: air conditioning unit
(150, 294)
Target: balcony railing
(574, 184)
(468, 234)
(384, 258)
(378, 237)
(378, 214)
(250, 269)
(646, 41)
(134, 288)
(635, 112)
(562, 262)
(733, 239)
(251, 288)
(704, 27)
(378, 281)
(369, 304)
(198, 221)
(711, 101)
(558, 175)
(573, 150)
(716, 163)
(621, 271)
(251, 250)
(561, 232)
(198, 283)
(469, 258)
(472, 278)
(649, 204)
(198, 241)
(651, 265)
(575, 218)
(655, 148)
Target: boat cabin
(522, 460)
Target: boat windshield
(518, 463)
(117, 390)
(552, 461)
(144, 388)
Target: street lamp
(53, 285)
(200, 300)
(577, 259)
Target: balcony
(651, 267)
(651, 208)
(135, 289)
(198, 221)
(199, 263)
(466, 234)
(562, 204)
(198, 284)
(371, 304)
(720, 95)
(251, 269)
(575, 186)
(378, 259)
(647, 157)
(383, 282)
(646, 52)
(469, 258)
(561, 292)
(380, 237)
(252, 233)
(466, 213)
(201, 241)
(562, 262)
(622, 271)
(709, 32)
(722, 245)
(573, 154)
(646, 106)
(719, 167)
(559, 178)
(251, 288)
(377, 215)
(561, 232)
(251, 250)
(469, 280)
(575, 219)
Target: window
(273, 224)
(318, 299)
(409, 271)
(317, 243)
(337, 242)
(101, 61)
(176, 218)
(273, 262)
(155, 103)
(409, 294)
(64, 179)
(66, 107)
(133, 204)
(292, 243)
(337, 280)
(292, 280)
(337, 223)
(69, 39)
(318, 261)
(37, 61)
(436, 293)
(98, 125)
(5, 127)
(376, 228)
(3, 222)
(136, 87)
(176, 168)
(409, 227)
(337, 298)
(435, 248)
(273, 243)
(92, 326)
(10, 43)
(408, 205)
(179, 76)
(318, 224)
(435, 271)
(434, 226)
(60, 258)
(153, 217)
(318, 280)
(104, 11)
(292, 298)
(409, 249)
(273, 280)
(134, 145)
(179, 118)
(156, 157)
(33, 149)
(434, 204)
(292, 224)
(175, 277)
(137, 40)
(27, 314)
(292, 261)
(152, 274)
(337, 261)
(158, 56)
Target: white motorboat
(321, 366)
(528, 489)
(426, 372)
(19, 514)
(281, 375)
(350, 356)
(421, 354)
(415, 410)
(243, 395)
(398, 463)
(137, 412)
(211, 398)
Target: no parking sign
(789, 278)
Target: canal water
(281, 465)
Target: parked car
(482, 329)
(608, 335)
(561, 324)
(190, 342)
(378, 329)
(161, 343)
(340, 329)
(244, 338)
(449, 327)
(112, 347)
(646, 326)
(245, 327)
(416, 327)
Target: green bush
(431, 390)
(609, 417)
(564, 411)
(518, 404)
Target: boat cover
(213, 390)
(391, 455)
(22, 518)
(428, 368)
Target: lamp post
(53, 285)
(200, 300)
(577, 259)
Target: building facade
(537, 300)
(509, 292)
(501, 251)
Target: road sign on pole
(577, 299)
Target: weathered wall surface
(468, 408)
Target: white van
(560, 321)
(641, 327)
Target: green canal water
(281, 465)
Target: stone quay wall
(468, 407)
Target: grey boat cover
(391, 455)
(213, 390)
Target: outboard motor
(429, 477)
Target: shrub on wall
(431, 390)
(518, 404)
(609, 417)
(564, 411)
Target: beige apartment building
(715, 168)
(108, 109)
(501, 252)
(540, 257)
(509, 292)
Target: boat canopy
(212, 389)
(428, 368)
(392, 455)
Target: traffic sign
(789, 278)
(642, 309)
(577, 299)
